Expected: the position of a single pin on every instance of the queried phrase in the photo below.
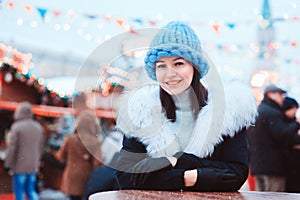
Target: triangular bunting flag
(91, 16)
(138, 20)
(120, 21)
(42, 12)
(132, 30)
(10, 4)
(231, 25)
(216, 27)
(27, 7)
(56, 13)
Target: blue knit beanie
(176, 39)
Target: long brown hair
(169, 105)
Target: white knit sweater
(185, 118)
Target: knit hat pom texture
(176, 39)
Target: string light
(33, 24)
(57, 27)
(88, 37)
(107, 37)
(67, 27)
(79, 32)
(49, 87)
(20, 22)
(47, 19)
(41, 81)
(258, 80)
(25, 71)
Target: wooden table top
(166, 195)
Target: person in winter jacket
(179, 134)
(290, 107)
(25, 145)
(81, 152)
(269, 140)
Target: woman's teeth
(173, 82)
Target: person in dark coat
(178, 134)
(268, 141)
(290, 107)
(103, 178)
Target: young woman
(174, 137)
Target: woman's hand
(190, 177)
(143, 168)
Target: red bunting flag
(56, 13)
(27, 8)
(152, 23)
(120, 21)
(216, 27)
(10, 4)
(294, 44)
(132, 30)
(107, 17)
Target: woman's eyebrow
(159, 61)
(177, 58)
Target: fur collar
(140, 116)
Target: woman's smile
(174, 83)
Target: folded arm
(226, 170)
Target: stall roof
(54, 111)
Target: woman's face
(174, 74)
(291, 113)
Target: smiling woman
(174, 137)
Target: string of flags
(216, 26)
(128, 24)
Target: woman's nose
(171, 71)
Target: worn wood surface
(165, 195)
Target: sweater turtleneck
(185, 116)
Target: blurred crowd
(274, 143)
(60, 159)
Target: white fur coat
(140, 115)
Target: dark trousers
(72, 197)
(270, 183)
(101, 179)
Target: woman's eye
(160, 66)
(179, 63)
